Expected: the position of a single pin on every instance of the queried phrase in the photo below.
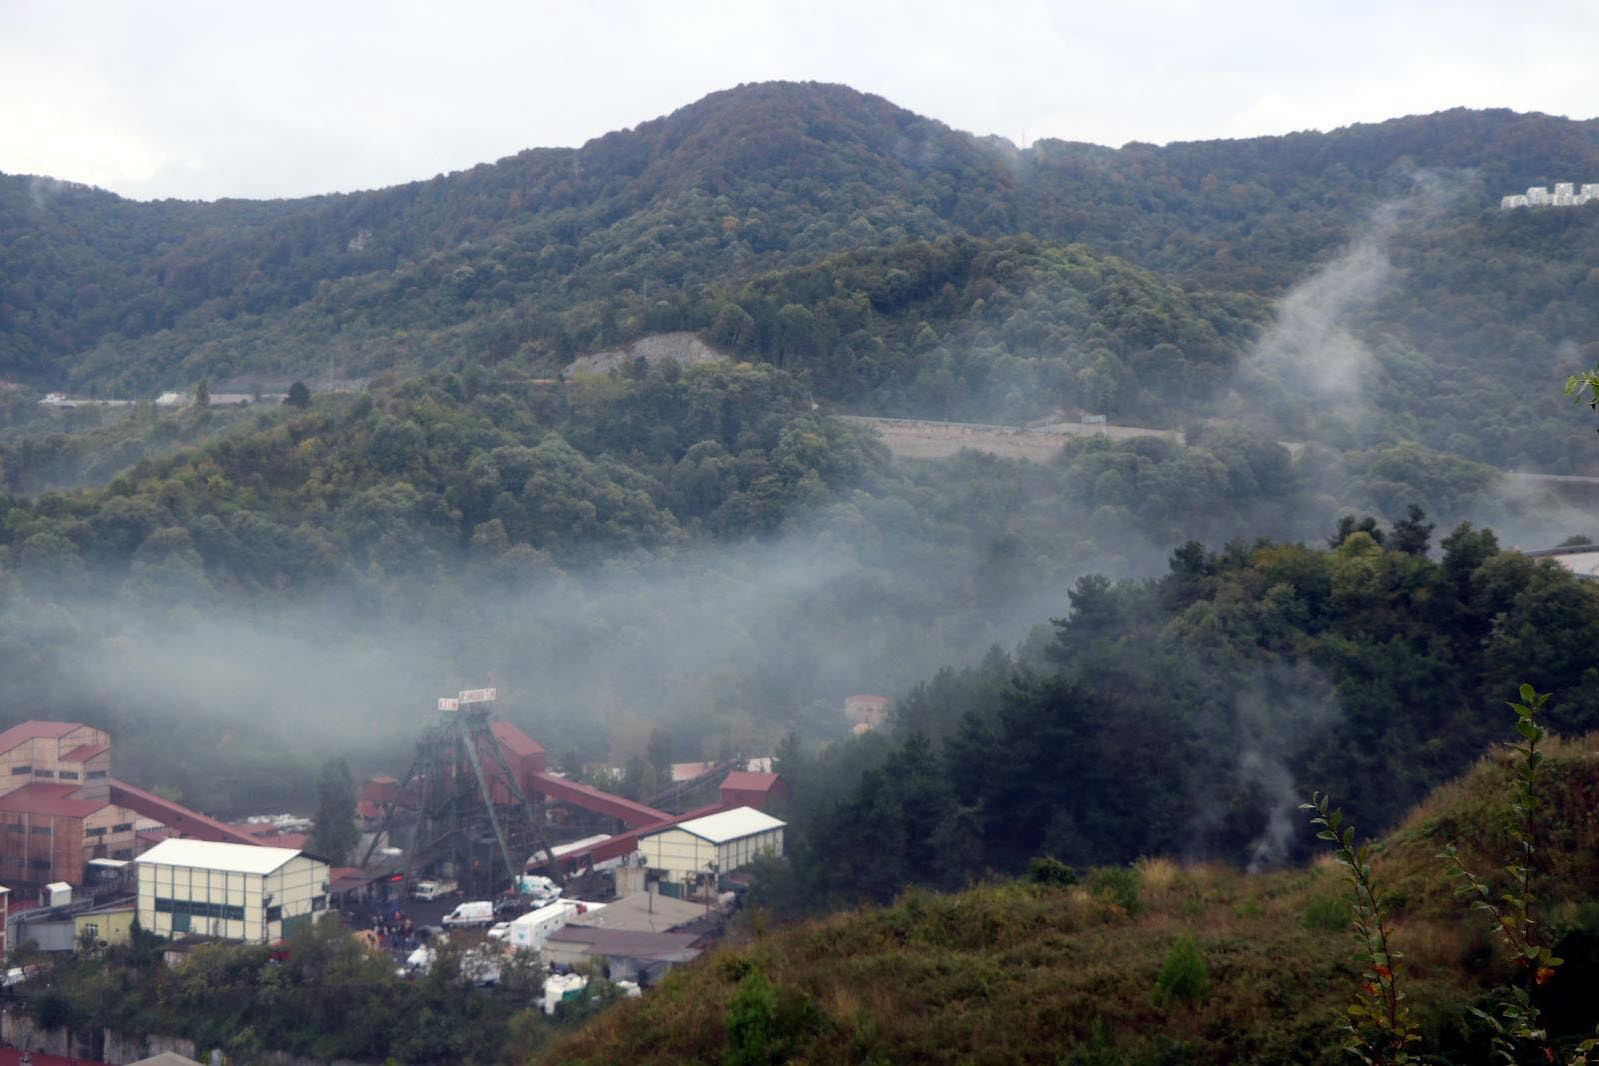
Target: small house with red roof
(742, 788)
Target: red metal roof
(175, 816)
(745, 781)
(627, 843)
(513, 740)
(84, 752)
(41, 797)
(36, 730)
(592, 799)
(10, 1056)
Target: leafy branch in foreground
(1380, 1028)
(1584, 387)
(1512, 911)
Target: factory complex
(528, 858)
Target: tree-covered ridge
(743, 177)
(1187, 715)
(1253, 214)
(964, 329)
(581, 472)
(551, 253)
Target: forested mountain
(874, 251)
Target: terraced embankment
(910, 438)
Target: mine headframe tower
(472, 809)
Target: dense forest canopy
(872, 250)
(1190, 714)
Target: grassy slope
(1015, 972)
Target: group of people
(386, 928)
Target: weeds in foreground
(1380, 1027)
(1381, 1030)
(1519, 1023)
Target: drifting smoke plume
(1276, 716)
(747, 640)
(1312, 364)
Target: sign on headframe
(478, 695)
(448, 704)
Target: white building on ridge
(1565, 194)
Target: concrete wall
(18, 1030)
(108, 833)
(114, 927)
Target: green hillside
(1030, 972)
(872, 249)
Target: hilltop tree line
(892, 263)
(1188, 715)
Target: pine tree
(335, 834)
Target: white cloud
(193, 99)
(68, 122)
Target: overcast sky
(203, 100)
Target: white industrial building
(1565, 194)
(235, 891)
(717, 843)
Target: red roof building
(60, 807)
(56, 808)
(741, 788)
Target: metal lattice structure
(471, 809)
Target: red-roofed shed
(741, 788)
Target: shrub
(1327, 914)
(1184, 977)
(1119, 885)
(751, 1023)
(1048, 870)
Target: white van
(476, 912)
(430, 890)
